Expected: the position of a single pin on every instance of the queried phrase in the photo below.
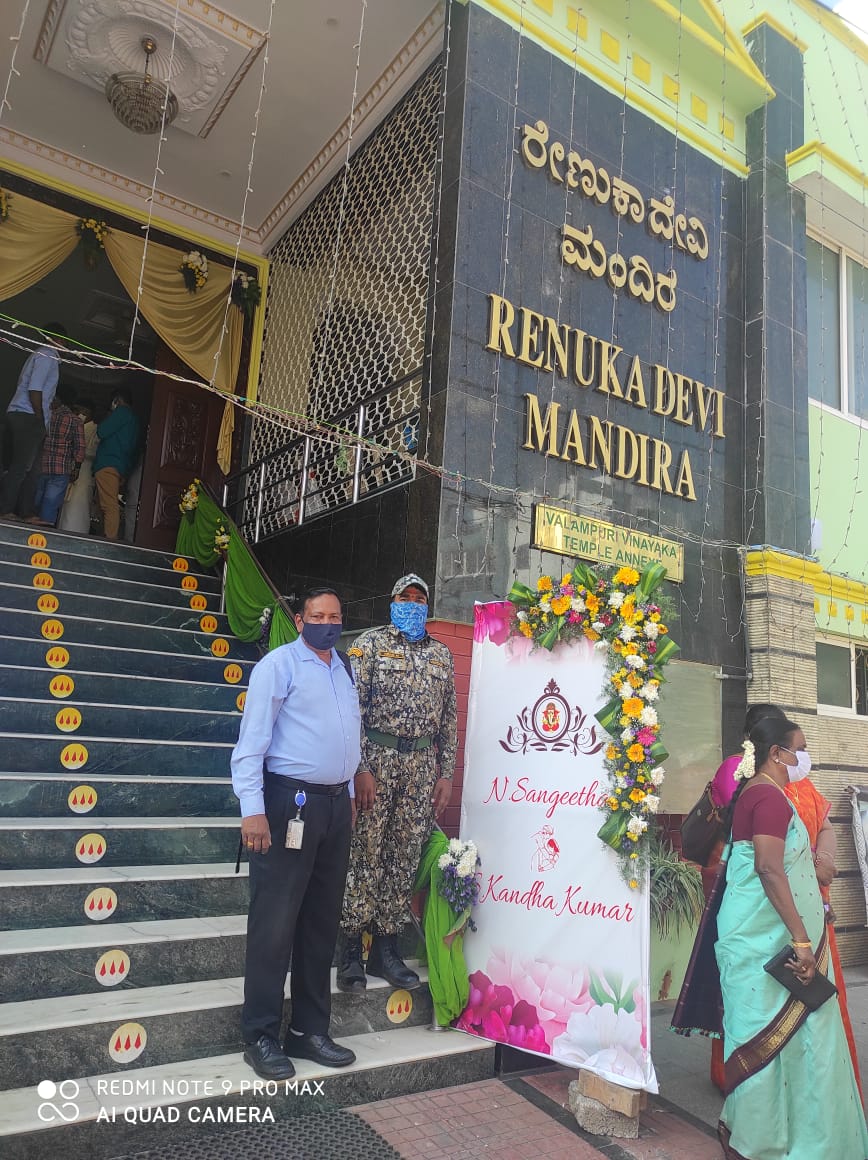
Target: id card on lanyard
(295, 828)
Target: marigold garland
(616, 612)
(92, 235)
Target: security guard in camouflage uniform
(406, 686)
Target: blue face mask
(409, 618)
(321, 636)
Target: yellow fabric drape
(34, 240)
(191, 324)
(224, 438)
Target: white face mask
(803, 764)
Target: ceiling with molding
(59, 122)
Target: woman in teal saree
(791, 1091)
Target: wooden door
(181, 446)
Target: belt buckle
(406, 745)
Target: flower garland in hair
(746, 768)
(616, 612)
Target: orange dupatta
(813, 809)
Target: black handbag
(703, 827)
(813, 994)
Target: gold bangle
(801, 944)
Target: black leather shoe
(320, 1048)
(351, 973)
(384, 962)
(268, 1059)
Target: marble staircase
(122, 919)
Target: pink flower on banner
(573, 617)
(492, 621)
(554, 990)
(641, 1014)
(646, 737)
(605, 1041)
(492, 1012)
(651, 646)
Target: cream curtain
(191, 324)
(34, 240)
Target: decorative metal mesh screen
(345, 327)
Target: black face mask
(321, 636)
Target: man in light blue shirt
(28, 417)
(298, 750)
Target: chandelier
(137, 99)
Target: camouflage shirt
(406, 688)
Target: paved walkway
(528, 1117)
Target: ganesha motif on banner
(552, 724)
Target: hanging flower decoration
(4, 205)
(618, 615)
(221, 539)
(194, 268)
(92, 235)
(190, 498)
(459, 884)
(246, 293)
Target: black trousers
(295, 909)
(26, 436)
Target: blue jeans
(50, 494)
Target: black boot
(351, 973)
(384, 962)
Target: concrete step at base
(45, 963)
(66, 719)
(390, 1063)
(89, 755)
(75, 630)
(39, 899)
(46, 795)
(59, 657)
(194, 1020)
(62, 558)
(73, 596)
(84, 688)
(48, 842)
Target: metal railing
(319, 473)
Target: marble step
(389, 1063)
(79, 545)
(71, 1035)
(45, 795)
(47, 842)
(98, 960)
(105, 895)
(104, 659)
(86, 755)
(60, 582)
(104, 688)
(73, 630)
(127, 604)
(67, 719)
(60, 558)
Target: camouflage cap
(411, 580)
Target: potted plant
(676, 906)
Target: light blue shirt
(301, 719)
(39, 373)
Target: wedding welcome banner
(559, 963)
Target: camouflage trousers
(387, 842)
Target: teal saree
(792, 1094)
